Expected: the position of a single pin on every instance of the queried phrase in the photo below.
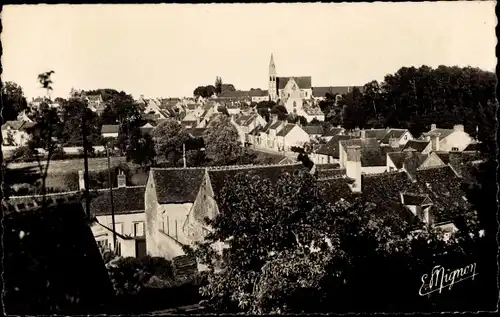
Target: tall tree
(13, 101)
(73, 112)
(169, 137)
(222, 142)
(140, 148)
(218, 85)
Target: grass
(71, 165)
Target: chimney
(394, 143)
(121, 179)
(410, 164)
(428, 138)
(423, 214)
(435, 142)
(81, 181)
(274, 118)
(353, 166)
(455, 161)
(433, 126)
(458, 128)
(363, 134)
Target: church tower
(273, 92)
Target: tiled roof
(417, 145)
(94, 97)
(243, 119)
(333, 131)
(286, 129)
(335, 189)
(313, 129)
(256, 130)
(329, 172)
(267, 127)
(258, 93)
(399, 157)
(250, 120)
(322, 91)
(110, 128)
(30, 202)
(304, 82)
(443, 133)
(235, 94)
(331, 148)
(444, 156)
(472, 147)
(275, 125)
(188, 123)
(177, 185)
(313, 111)
(415, 199)
(125, 200)
(376, 133)
(220, 177)
(196, 132)
(393, 133)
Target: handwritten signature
(440, 279)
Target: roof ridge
(135, 186)
(47, 195)
(176, 168)
(382, 174)
(331, 177)
(432, 167)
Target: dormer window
(454, 149)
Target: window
(454, 149)
(294, 104)
(167, 231)
(406, 137)
(119, 228)
(139, 229)
(306, 93)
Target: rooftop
(177, 185)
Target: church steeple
(273, 93)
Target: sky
(168, 50)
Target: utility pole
(110, 181)
(184, 153)
(86, 164)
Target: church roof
(304, 82)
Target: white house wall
(457, 139)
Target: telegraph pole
(110, 181)
(184, 153)
(86, 163)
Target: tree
(222, 142)
(286, 250)
(169, 136)
(218, 85)
(280, 111)
(75, 113)
(204, 91)
(13, 101)
(141, 148)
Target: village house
(329, 153)
(249, 122)
(314, 131)
(95, 103)
(419, 197)
(110, 130)
(23, 116)
(16, 133)
(421, 146)
(311, 111)
(152, 106)
(448, 139)
(401, 136)
(248, 96)
(291, 135)
(333, 131)
(395, 159)
(267, 138)
(179, 200)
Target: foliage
(75, 114)
(415, 98)
(141, 148)
(13, 101)
(280, 111)
(218, 85)
(288, 251)
(169, 136)
(204, 91)
(222, 142)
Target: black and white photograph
(250, 158)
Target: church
(284, 87)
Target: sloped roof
(125, 200)
(372, 154)
(286, 129)
(333, 131)
(220, 177)
(30, 202)
(241, 120)
(329, 172)
(335, 189)
(474, 146)
(399, 157)
(415, 199)
(331, 148)
(258, 93)
(196, 132)
(444, 156)
(188, 122)
(313, 129)
(393, 133)
(177, 185)
(110, 128)
(256, 130)
(304, 82)
(376, 133)
(341, 90)
(275, 125)
(310, 110)
(266, 127)
(443, 133)
(417, 145)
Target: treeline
(415, 98)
